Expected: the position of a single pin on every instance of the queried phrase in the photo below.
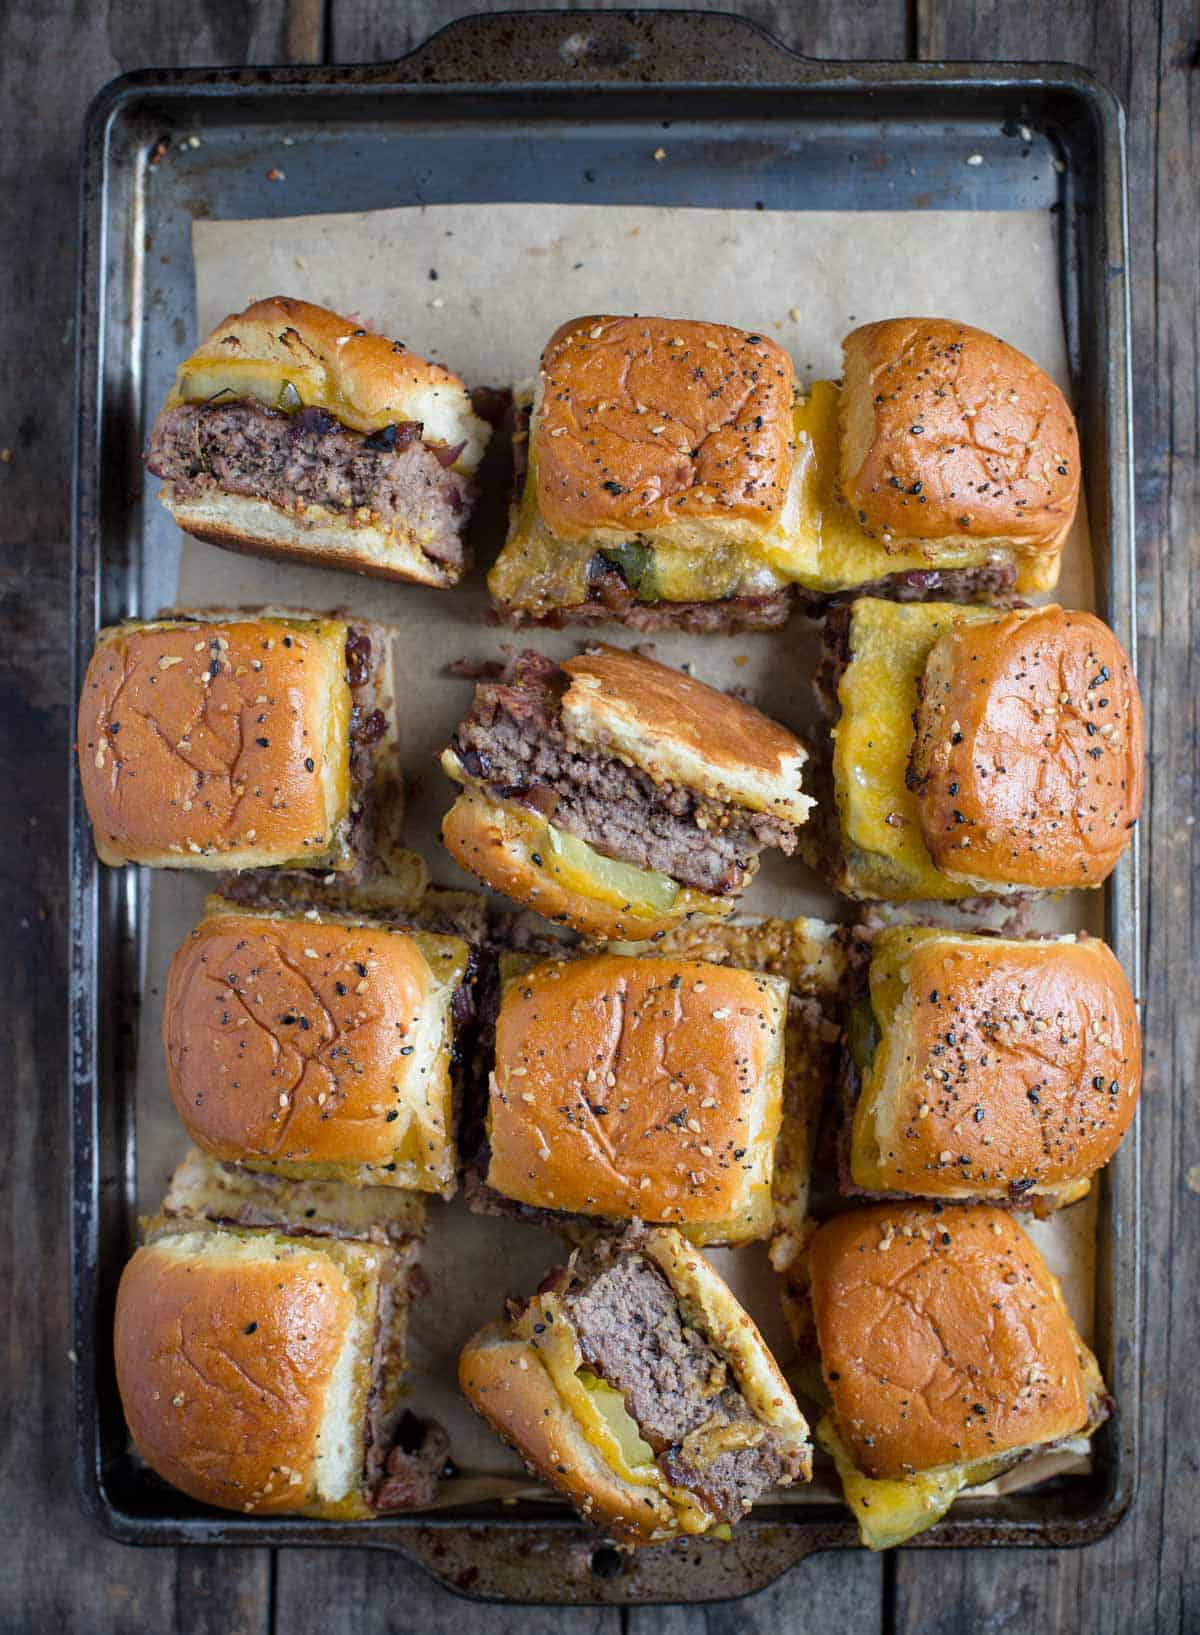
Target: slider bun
(686, 1060)
(684, 732)
(1025, 1030)
(493, 841)
(997, 454)
(1028, 795)
(924, 1316)
(662, 426)
(363, 379)
(170, 781)
(508, 1379)
(343, 1071)
(243, 1366)
(505, 1382)
(260, 528)
(701, 1290)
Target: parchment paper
(506, 275)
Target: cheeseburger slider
(636, 1385)
(291, 432)
(318, 1049)
(945, 464)
(978, 1067)
(948, 1355)
(617, 796)
(624, 1087)
(977, 751)
(261, 1368)
(656, 480)
(239, 740)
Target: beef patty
(310, 458)
(632, 1334)
(515, 743)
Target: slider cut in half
(948, 1355)
(242, 740)
(293, 433)
(978, 1067)
(630, 1088)
(617, 796)
(317, 1049)
(636, 1385)
(261, 1370)
(1023, 772)
(655, 477)
(946, 464)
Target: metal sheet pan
(752, 122)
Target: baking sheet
(506, 276)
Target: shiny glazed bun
(949, 433)
(684, 732)
(244, 1365)
(361, 378)
(218, 744)
(640, 1087)
(662, 425)
(1028, 750)
(944, 1339)
(317, 1049)
(1003, 1069)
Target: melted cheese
(537, 571)
(886, 855)
(832, 551)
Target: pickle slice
(582, 868)
(610, 1405)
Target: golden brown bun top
(199, 737)
(224, 1358)
(364, 378)
(635, 1087)
(1043, 1051)
(946, 430)
(1028, 750)
(291, 1040)
(683, 731)
(943, 1338)
(644, 421)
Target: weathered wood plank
(840, 1593)
(56, 1571)
(1144, 1577)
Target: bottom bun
(508, 847)
(503, 1379)
(241, 523)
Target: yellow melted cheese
(886, 855)
(889, 1513)
(832, 551)
(536, 571)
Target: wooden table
(56, 1572)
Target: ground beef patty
(310, 458)
(632, 1335)
(990, 582)
(514, 742)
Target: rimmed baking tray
(496, 99)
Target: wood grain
(57, 1572)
